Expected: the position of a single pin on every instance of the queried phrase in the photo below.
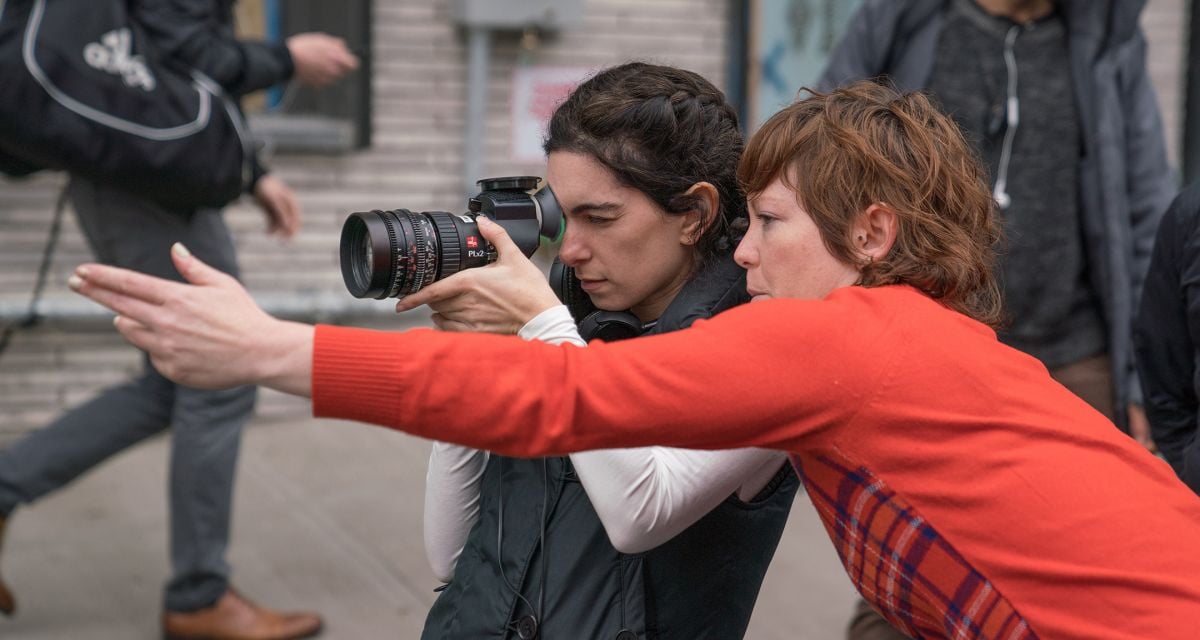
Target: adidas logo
(112, 55)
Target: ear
(702, 216)
(874, 232)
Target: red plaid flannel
(899, 563)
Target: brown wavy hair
(866, 144)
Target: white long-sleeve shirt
(644, 497)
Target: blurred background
(395, 135)
(328, 516)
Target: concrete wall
(415, 162)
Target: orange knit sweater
(968, 494)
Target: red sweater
(966, 491)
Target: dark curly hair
(660, 130)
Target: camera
(391, 254)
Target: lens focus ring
(396, 275)
(420, 255)
(451, 244)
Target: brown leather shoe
(7, 603)
(233, 617)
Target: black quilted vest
(701, 584)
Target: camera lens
(358, 255)
(391, 254)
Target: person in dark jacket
(129, 230)
(623, 544)
(1167, 336)
(1039, 87)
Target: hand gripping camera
(391, 254)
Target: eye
(597, 220)
(764, 219)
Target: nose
(746, 255)
(573, 251)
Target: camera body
(391, 254)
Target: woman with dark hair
(967, 493)
(643, 161)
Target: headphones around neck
(594, 324)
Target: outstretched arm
(733, 381)
(210, 333)
(729, 382)
(207, 334)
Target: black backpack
(82, 90)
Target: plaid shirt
(898, 561)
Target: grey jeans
(206, 426)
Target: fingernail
(180, 250)
(116, 321)
(75, 282)
(81, 271)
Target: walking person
(126, 229)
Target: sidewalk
(328, 517)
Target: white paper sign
(536, 93)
